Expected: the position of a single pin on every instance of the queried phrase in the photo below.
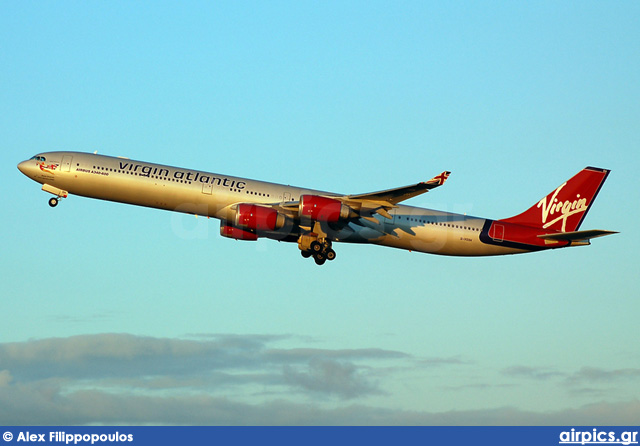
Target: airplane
(250, 209)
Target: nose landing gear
(59, 193)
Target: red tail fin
(565, 208)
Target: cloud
(331, 377)
(307, 354)
(227, 379)
(436, 362)
(537, 373)
(5, 378)
(587, 382)
(47, 406)
(595, 374)
(109, 355)
(477, 386)
(95, 317)
(51, 379)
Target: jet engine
(324, 209)
(258, 218)
(236, 233)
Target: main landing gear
(319, 249)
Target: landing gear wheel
(331, 254)
(53, 202)
(320, 259)
(316, 247)
(305, 254)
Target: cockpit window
(38, 158)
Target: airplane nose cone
(24, 167)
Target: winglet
(439, 180)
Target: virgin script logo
(565, 208)
(49, 168)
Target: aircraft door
(497, 232)
(286, 196)
(66, 163)
(207, 188)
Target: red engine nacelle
(237, 233)
(323, 208)
(258, 218)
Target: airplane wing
(383, 201)
(395, 196)
(366, 205)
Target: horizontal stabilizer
(577, 235)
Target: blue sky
(117, 314)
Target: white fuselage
(209, 194)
